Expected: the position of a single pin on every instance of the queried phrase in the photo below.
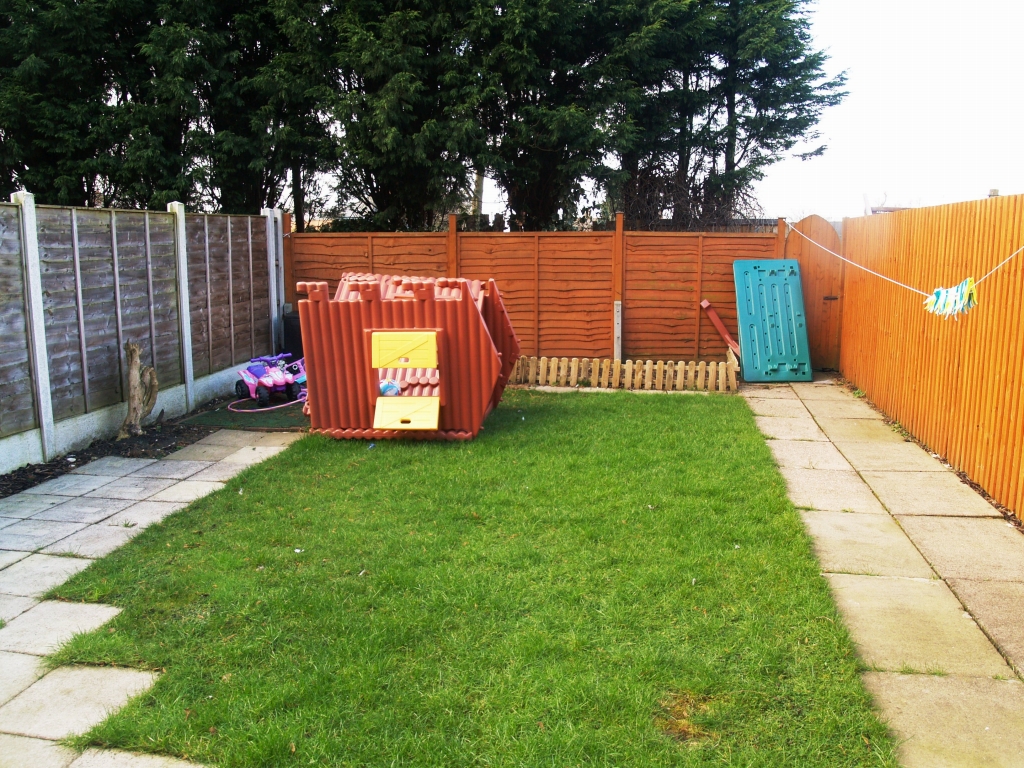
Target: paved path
(53, 531)
(928, 575)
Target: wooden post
(700, 279)
(37, 329)
(780, 240)
(536, 293)
(184, 310)
(453, 245)
(618, 279)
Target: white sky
(934, 112)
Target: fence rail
(956, 386)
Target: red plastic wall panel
(343, 387)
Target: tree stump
(142, 391)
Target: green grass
(604, 579)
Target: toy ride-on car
(271, 374)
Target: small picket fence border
(632, 374)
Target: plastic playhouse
(415, 357)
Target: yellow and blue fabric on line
(951, 302)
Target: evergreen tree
(405, 109)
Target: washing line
(947, 302)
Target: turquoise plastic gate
(772, 322)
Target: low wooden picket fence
(632, 374)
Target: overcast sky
(934, 112)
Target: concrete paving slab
(889, 457)
(786, 409)
(188, 490)
(23, 752)
(830, 490)
(273, 439)
(82, 510)
(859, 431)
(220, 472)
(71, 700)
(31, 535)
(17, 672)
(12, 606)
(50, 624)
(981, 549)
(115, 758)
(952, 722)
(38, 574)
(132, 488)
(847, 542)
(10, 557)
(821, 390)
(173, 470)
(253, 454)
(928, 493)
(23, 505)
(113, 466)
(807, 454)
(94, 541)
(231, 437)
(913, 623)
(71, 485)
(847, 408)
(197, 452)
(144, 513)
(5, 521)
(789, 429)
(998, 606)
(768, 391)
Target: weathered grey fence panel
(229, 293)
(99, 307)
(60, 307)
(84, 330)
(17, 405)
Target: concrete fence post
(184, 310)
(269, 219)
(37, 329)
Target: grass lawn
(599, 579)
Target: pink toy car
(270, 374)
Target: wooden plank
(533, 371)
(701, 376)
(659, 376)
(574, 371)
(648, 374)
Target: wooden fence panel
(660, 301)
(60, 308)
(955, 385)
(229, 291)
(575, 307)
(512, 261)
(719, 287)
(17, 404)
(558, 286)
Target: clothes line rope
(947, 302)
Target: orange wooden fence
(560, 288)
(955, 385)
